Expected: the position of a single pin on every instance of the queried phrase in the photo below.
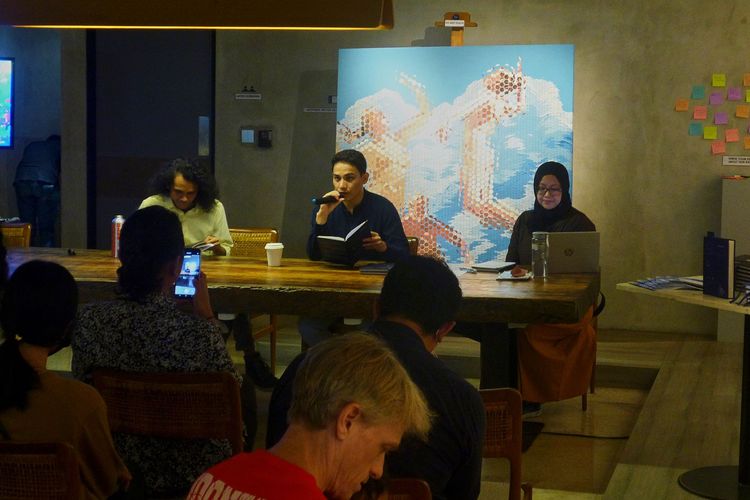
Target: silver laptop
(573, 252)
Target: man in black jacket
(415, 311)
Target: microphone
(324, 200)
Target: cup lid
(271, 246)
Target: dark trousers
(38, 205)
(497, 352)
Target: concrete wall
(652, 190)
(37, 95)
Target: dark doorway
(153, 100)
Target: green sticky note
(719, 80)
(699, 92)
(709, 132)
(696, 128)
(747, 95)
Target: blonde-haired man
(352, 402)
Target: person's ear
(365, 177)
(348, 416)
(444, 330)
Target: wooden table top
(301, 286)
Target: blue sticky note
(696, 128)
(699, 92)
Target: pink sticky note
(732, 135)
(700, 113)
(734, 94)
(718, 147)
(716, 98)
(721, 118)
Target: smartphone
(184, 287)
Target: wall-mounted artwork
(6, 102)
(453, 135)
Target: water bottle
(117, 223)
(539, 248)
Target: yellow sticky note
(732, 135)
(682, 105)
(718, 147)
(747, 95)
(719, 80)
(742, 111)
(746, 79)
(747, 142)
(710, 132)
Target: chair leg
(272, 338)
(584, 402)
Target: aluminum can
(117, 223)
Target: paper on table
(506, 276)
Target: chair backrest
(408, 489)
(204, 405)
(251, 241)
(504, 435)
(413, 244)
(16, 234)
(39, 470)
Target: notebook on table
(576, 252)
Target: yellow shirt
(196, 222)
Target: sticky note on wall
(721, 118)
(716, 98)
(681, 105)
(709, 132)
(700, 113)
(719, 80)
(747, 142)
(696, 128)
(718, 147)
(732, 135)
(742, 111)
(699, 92)
(734, 94)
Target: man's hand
(218, 249)
(374, 242)
(325, 209)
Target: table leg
(728, 481)
(498, 355)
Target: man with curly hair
(187, 189)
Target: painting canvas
(453, 135)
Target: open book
(345, 250)
(204, 246)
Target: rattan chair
(408, 489)
(39, 470)
(203, 405)
(16, 234)
(413, 244)
(504, 435)
(251, 242)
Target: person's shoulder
(581, 219)
(156, 199)
(82, 398)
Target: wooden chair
(413, 244)
(408, 489)
(39, 470)
(251, 242)
(504, 435)
(16, 234)
(200, 405)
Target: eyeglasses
(553, 191)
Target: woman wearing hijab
(555, 360)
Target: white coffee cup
(273, 253)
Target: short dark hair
(38, 307)
(423, 290)
(352, 157)
(150, 238)
(193, 171)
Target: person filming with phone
(145, 331)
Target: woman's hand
(518, 271)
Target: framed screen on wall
(6, 102)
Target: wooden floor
(666, 403)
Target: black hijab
(542, 218)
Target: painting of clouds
(453, 136)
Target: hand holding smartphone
(184, 287)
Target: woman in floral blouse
(144, 331)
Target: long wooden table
(299, 286)
(719, 481)
(303, 287)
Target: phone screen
(191, 267)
